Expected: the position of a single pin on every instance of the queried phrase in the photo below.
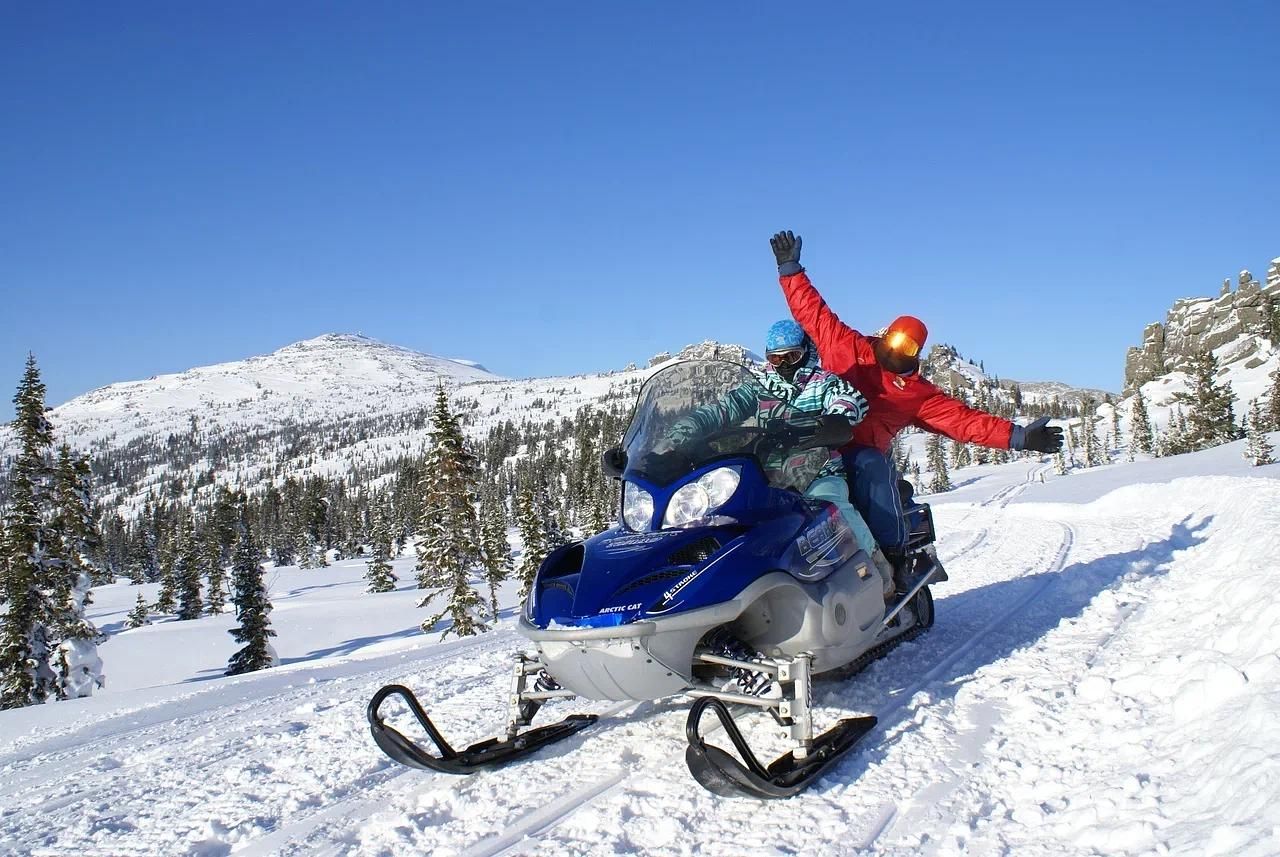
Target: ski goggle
(899, 343)
(785, 358)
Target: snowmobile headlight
(692, 502)
(720, 484)
(637, 507)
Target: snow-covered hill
(1102, 678)
(330, 377)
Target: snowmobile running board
(492, 751)
(720, 773)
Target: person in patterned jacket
(792, 381)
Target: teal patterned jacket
(813, 391)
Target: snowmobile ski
(720, 773)
(488, 753)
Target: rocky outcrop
(1237, 326)
(708, 350)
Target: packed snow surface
(1102, 678)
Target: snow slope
(1102, 679)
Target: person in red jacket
(886, 369)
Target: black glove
(1039, 436)
(834, 430)
(786, 249)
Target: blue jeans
(873, 485)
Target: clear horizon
(557, 195)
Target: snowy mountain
(331, 377)
(1101, 679)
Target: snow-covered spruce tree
(1141, 437)
(449, 532)
(187, 571)
(937, 460)
(378, 570)
(138, 616)
(1060, 463)
(960, 455)
(1272, 413)
(1258, 450)
(253, 609)
(533, 536)
(214, 572)
(495, 552)
(26, 675)
(1115, 422)
(167, 559)
(1211, 419)
(1094, 454)
(76, 665)
(598, 516)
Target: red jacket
(896, 401)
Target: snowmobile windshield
(693, 413)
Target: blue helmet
(785, 335)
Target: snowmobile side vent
(566, 561)
(655, 577)
(695, 553)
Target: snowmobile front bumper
(649, 659)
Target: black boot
(903, 570)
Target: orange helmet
(906, 336)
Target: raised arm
(839, 345)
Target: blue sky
(560, 187)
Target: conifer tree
(138, 615)
(495, 552)
(26, 674)
(1060, 463)
(937, 459)
(1211, 420)
(1140, 425)
(1258, 450)
(450, 534)
(77, 667)
(253, 609)
(215, 573)
(187, 571)
(1272, 413)
(167, 598)
(378, 570)
(598, 518)
(533, 536)
(1093, 450)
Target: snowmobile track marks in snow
(892, 712)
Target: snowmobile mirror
(613, 462)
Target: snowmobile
(721, 582)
